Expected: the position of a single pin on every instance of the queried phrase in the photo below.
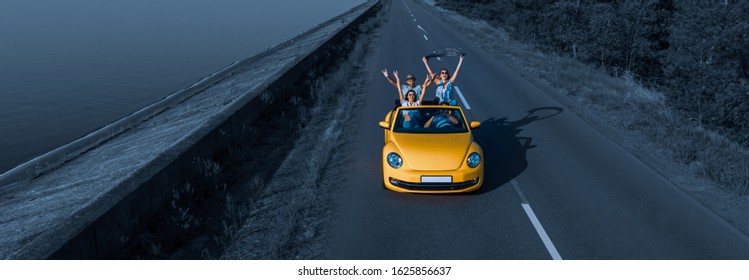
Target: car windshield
(429, 120)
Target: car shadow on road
(505, 149)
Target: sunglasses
(441, 73)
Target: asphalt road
(555, 187)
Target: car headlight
(473, 159)
(395, 160)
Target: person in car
(444, 82)
(411, 98)
(442, 119)
(410, 117)
(409, 85)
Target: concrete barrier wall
(83, 200)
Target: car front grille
(434, 186)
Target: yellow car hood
(433, 151)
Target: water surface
(70, 67)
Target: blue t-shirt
(445, 92)
(440, 121)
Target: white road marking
(468, 107)
(438, 58)
(422, 29)
(536, 223)
(414, 20)
(425, 38)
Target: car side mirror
(385, 125)
(475, 125)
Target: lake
(70, 67)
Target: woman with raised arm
(410, 98)
(409, 85)
(410, 117)
(444, 83)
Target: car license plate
(436, 179)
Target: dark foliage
(696, 51)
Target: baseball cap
(409, 76)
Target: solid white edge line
(468, 107)
(425, 38)
(536, 223)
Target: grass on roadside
(288, 220)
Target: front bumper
(410, 181)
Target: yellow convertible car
(430, 149)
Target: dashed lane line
(536, 223)
(422, 29)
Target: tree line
(696, 52)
